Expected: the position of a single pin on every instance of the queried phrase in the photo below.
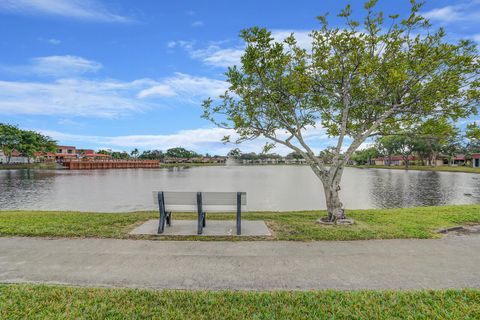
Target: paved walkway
(387, 264)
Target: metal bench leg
(162, 213)
(200, 213)
(239, 213)
(169, 219)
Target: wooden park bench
(200, 202)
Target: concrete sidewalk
(264, 265)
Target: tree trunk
(331, 185)
(334, 205)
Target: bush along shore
(420, 222)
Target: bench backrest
(180, 201)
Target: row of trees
(427, 142)
(26, 142)
(178, 152)
(252, 156)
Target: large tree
(32, 142)
(365, 156)
(403, 144)
(10, 137)
(180, 152)
(354, 82)
(435, 136)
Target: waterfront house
(70, 152)
(16, 157)
(45, 156)
(88, 154)
(457, 160)
(476, 160)
(66, 152)
(393, 160)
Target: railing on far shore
(77, 164)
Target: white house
(16, 157)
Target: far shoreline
(55, 166)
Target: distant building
(441, 160)
(66, 152)
(16, 157)
(476, 160)
(70, 152)
(393, 160)
(457, 160)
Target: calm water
(267, 187)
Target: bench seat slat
(222, 198)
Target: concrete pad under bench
(213, 228)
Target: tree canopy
(180, 152)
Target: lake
(272, 188)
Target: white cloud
(69, 95)
(212, 55)
(218, 57)
(57, 66)
(447, 14)
(187, 86)
(52, 41)
(198, 24)
(187, 45)
(161, 90)
(302, 36)
(72, 97)
(223, 57)
(467, 11)
(89, 10)
(171, 44)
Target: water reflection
(268, 187)
(414, 188)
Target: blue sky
(125, 74)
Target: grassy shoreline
(420, 222)
(39, 166)
(54, 302)
(424, 168)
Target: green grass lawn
(421, 222)
(57, 302)
(425, 168)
